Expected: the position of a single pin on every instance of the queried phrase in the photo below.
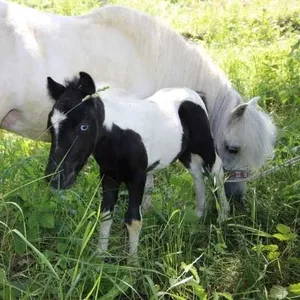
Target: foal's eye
(84, 127)
(232, 149)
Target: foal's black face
(74, 129)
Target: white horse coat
(106, 44)
(126, 49)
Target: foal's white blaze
(56, 119)
(104, 231)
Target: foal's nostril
(57, 179)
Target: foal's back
(156, 119)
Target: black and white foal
(129, 139)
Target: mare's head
(74, 127)
(244, 140)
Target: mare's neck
(221, 98)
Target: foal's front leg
(110, 187)
(133, 217)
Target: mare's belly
(27, 124)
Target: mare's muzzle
(235, 190)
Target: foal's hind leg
(110, 188)
(133, 216)
(193, 163)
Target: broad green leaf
(20, 246)
(47, 207)
(272, 255)
(285, 237)
(32, 220)
(283, 228)
(270, 248)
(47, 220)
(278, 292)
(191, 216)
(294, 288)
(198, 290)
(33, 233)
(61, 247)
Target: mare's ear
(55, 89)
(86, 84)
(254, 101)
(239, 111)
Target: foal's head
(74, 128)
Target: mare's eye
(84, 127)
(232, 149)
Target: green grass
(48, 239)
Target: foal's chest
(121, 152)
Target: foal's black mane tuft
(72, 83)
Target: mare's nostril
(235, 191)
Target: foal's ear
(55, 89)
(86, 83)
(239, 111)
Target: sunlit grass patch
(48, 239)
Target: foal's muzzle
(62, 178)
(61, 181)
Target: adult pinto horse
(125, 49)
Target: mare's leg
(133, 217)
(193, 163)
(218, 173)
(110, 187)
(147, 193)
